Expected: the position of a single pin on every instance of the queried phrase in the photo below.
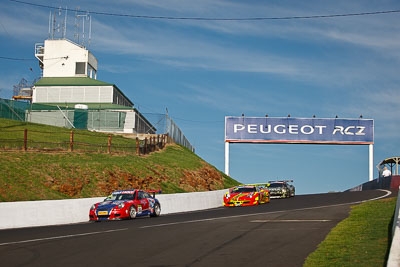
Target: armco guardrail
(394, 255)
(53, 212)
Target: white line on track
(263, 221)
(60, 237)
(263, 213)
(274, 229)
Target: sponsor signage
(299, 130)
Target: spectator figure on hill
(386, 172)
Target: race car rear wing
(287, 181)
(259, 184)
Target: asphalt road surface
(281, 233)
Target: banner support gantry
(227, 158)
(287, 130)
(371, 162)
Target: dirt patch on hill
(118, 180)
(205, 178)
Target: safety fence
(14, 110)
(33, 140)
(165, 124)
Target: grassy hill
(36, 175)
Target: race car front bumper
(240, 203)
(105, 215)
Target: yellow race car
(246, 195)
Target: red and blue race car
(126, 204)
(246, 195)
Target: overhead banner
(299, 130)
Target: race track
(281, 233)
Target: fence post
(25, 139)
(109, 144)
(158, 142)
(150, 144)
(145, 145)
(71, 141)
(137, 146)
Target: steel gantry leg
(227, 158)
(371, 162)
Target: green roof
(70, 81)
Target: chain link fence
(13, 110)
(165, 125)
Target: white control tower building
(64, 58)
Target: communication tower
(58, 30)
(82, 35)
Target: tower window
(80, 68)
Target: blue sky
(203, 71)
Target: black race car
(281, 189)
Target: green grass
(360, 240)
(50, 137)
(60, 174)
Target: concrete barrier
(394, 254)
(45, 212)
(390, 183)
(183, 202)
(53, 212)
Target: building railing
(39, 49)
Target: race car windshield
(244, 190)
(275, 185)
(120, 197)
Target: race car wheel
(132, 212)
(157, 210)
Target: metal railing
(39, 49)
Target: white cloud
(23, 24)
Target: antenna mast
(78, 19)
(55, 27)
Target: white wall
(53, 117)
(53, 212)
(60, 57)
(73, 94)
